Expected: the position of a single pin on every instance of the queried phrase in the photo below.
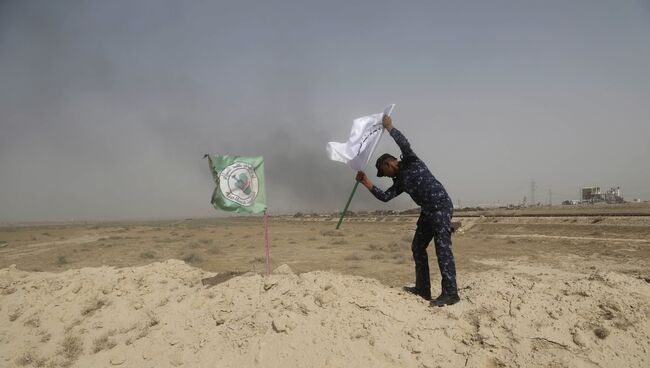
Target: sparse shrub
(71, 347)
(92, 305)
(152, 319)
(32, 321)
(27, 358)
(352, 257)
(60, 260)
(601, 332)
(393, 246)
(377, 256)
(71, 325)
(46, 336)
(165, 240)
(192, 258)
(148, 254)
(214, 250)
(338, 241)
(143, 333)
(331, 233)
(15, 314)
(104, 342)
(312, 238)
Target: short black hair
(381, 160)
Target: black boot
(425, 294)
(445, 299)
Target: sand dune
(160, 315)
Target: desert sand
(535, 292)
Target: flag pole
(345, 210)
(266, 243)
(356, 184)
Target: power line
(533, 186)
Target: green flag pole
(356, 184)
(345, 210)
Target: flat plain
(369, 245)
(543, 287)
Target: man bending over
(412, 176)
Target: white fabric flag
(366, 133)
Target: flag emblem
(239, 183)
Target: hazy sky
(106, 107)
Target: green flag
(240, 183)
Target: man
(412, 176)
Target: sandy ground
(535, 292)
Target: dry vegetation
(379, 249)
(104, 342)
(589, 246)
(71, 348)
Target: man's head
(387, 165)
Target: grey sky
(106, 107)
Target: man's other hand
(363, 179)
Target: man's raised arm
(399, 138)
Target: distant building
(593, 195)
(570, 202)
(590, 194)
(613, 195)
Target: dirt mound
(161, 315)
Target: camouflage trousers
(436, 226)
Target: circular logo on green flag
(238, 182)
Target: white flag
(366, 133)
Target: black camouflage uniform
(415, 179)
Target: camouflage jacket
(415, 179)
